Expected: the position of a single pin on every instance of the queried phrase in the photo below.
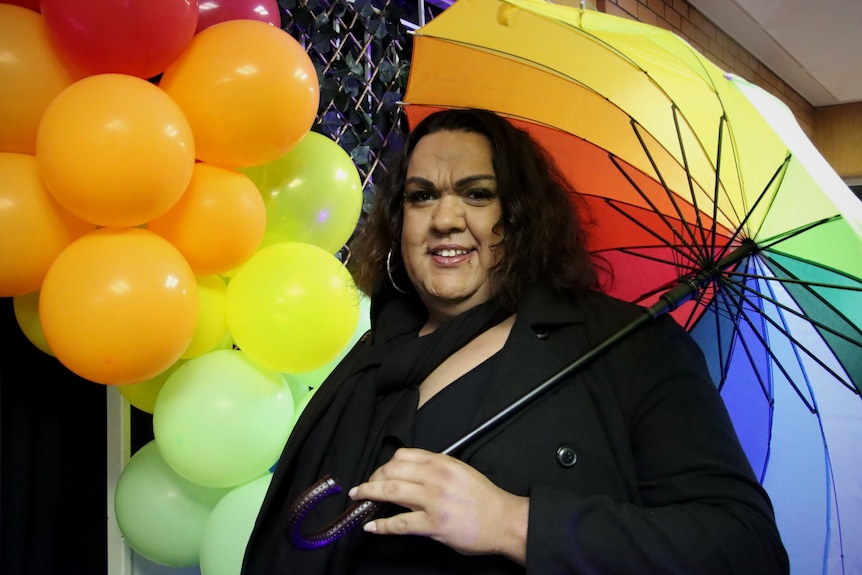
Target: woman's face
(451, 207)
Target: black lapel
(533, 352)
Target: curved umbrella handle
(353, 516)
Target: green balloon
(313, 194)
(162, 515)
(221, 420)
(229, 528)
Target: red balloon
(135, 37)
(215, 11)
(31, 4)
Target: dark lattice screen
(361, 51)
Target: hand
(450, 502)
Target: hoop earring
(389, 273)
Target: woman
(482, 289)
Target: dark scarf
(375, 403)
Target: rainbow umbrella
(710, 204)
(697, 181)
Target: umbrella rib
(778, 363)
(790, 234)
(786, 333)
(729, 304)
(748, 353)
(780, 170)
(799, 314)
(723, 365)
(663, 287)
(823, 300)
(676, 248)
(691, 180)
(640, 224)
(722, 122)
(664, 185)
(693, 314)
(789, 280)
(631, 252)
(796, 349)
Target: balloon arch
(171, 228)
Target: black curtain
(53, 457)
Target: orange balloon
(115, 150)
(119, 305)
(32, 73)
(218, 223)
(248, 89)
(34, 228)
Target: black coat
(632, 465)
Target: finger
(414, 454)
(411, 523)
(404, 493)
(413, 467)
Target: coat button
(541, 332)
(566, 455)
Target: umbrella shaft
(690, 287)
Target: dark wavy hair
(543, 237)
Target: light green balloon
(229, 528)
(162, 515)
(221, 420)
(313, 194)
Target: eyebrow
(462, 183)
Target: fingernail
(352, 492)
(370, 527)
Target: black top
(448, 415)
(440, 422)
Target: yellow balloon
(115, 150)
(143, 394)
(32, 73)
(249, 90)
(211, 328)
(312, 379)
(292, 307)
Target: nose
(449, 214)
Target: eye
(417, 196)
(480, 196)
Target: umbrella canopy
(685, 166)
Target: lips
(450, 255)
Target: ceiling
(813, 45)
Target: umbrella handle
(357, 514)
